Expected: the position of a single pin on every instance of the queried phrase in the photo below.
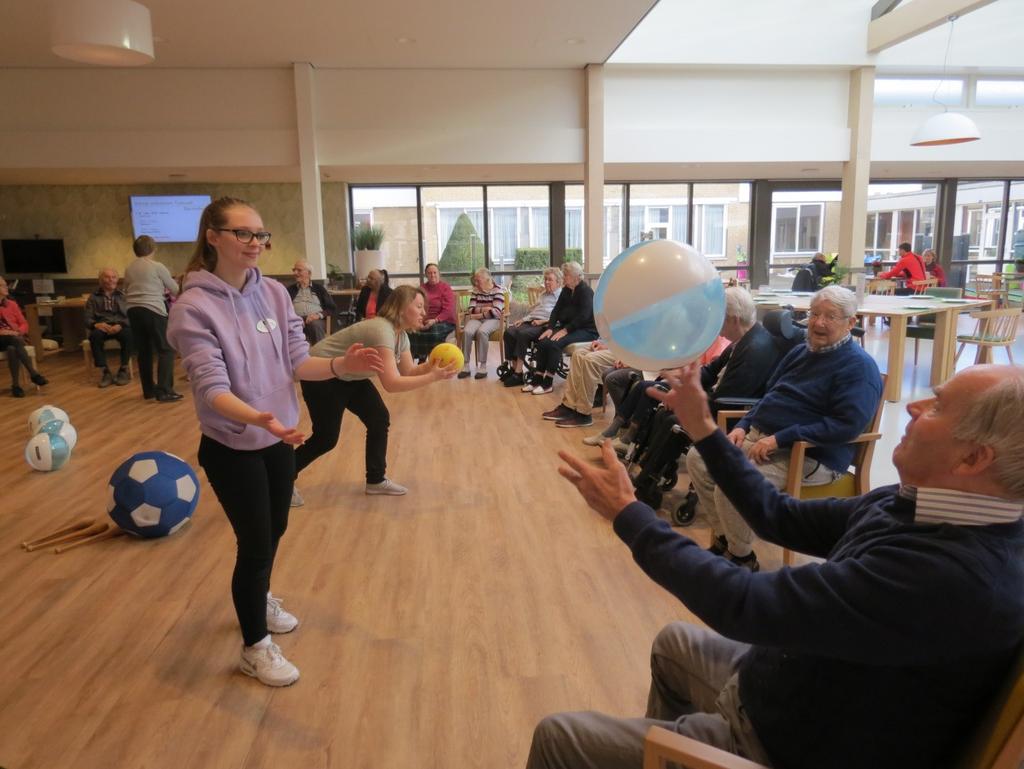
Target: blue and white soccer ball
(64, 429)
(45, 414)
(46, 452)
(152, 494)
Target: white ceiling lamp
(946, 127)
(116, 33)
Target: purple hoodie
(246, 342)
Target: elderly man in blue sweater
(885, 655)
(824, 391)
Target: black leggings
(17, 356)
(327, 401)
(255, 490)
(149, 333)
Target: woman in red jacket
(13, 328)
(931, 265)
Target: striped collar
(831, 347)
(960, 507)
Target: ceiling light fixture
(405, 40)
(574, 40)
(946, 127)
(116, 33)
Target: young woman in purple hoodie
(242, 346)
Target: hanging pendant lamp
(946, 127)
(115, 33)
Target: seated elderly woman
(571, 321)
(440, 320)
(483, 318)
(13, 328)
(521, 334)
(311, 301)
(374, 294)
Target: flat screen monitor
(22, 257)
(168, 218)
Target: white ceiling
(818, 33)
(346, 34)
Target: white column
(853, 213)
(593, 171)
(309, 168)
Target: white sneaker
(297, 500)
(278, 620)
(542, 390)
(621, 447)
(527, 388)
(595, 440)
(387, 486)
(265, 663)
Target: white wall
(395, 117)
(704, 116)
(1001, 132)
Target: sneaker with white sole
(595, 440)
(622, 447)
(266, 664)
(278, 620)
(387, 486)
(527, 386)
(297, 500)
(542, 390)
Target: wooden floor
(437, 628)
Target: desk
(898, 309)
(72, 313)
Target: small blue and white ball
(45, 414)
(64, 429)
(659, 304)
(152, 494)
(45, 452)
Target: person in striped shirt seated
(483, 318)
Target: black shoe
(463, 375)
(480, 375)
(17, 392)
(719, 545)
(561, 411)
(107, 379)
(747, 561)
(39, 380)
(148, 396)
(576, 420)
(122, 377)
(169, 397)
(513, 380)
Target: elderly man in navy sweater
(885, 655)
(824, 391)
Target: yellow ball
(445, 354)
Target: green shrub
(367, 238)
(464, 251)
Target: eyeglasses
(246, 237)
(828, 317)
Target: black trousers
(327, 401)
(518, 339)
(17, 356)
(255, 490)
(150, 335)
(99, 355)
(550, 353)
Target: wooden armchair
(922, 286)
(995, 328)
(926, 329)
(857, 479)
(462, 306)
(997, 743)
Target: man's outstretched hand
(606, 487)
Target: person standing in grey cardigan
(146, 281)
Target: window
(1015, 225)
(977, 224)
(453, 229)
(394, 210)
(999, 93)
(518, 221)
(709, 225)
(575, 234)
(899, 212)
(918, 92)
(659, 211)
(797, 228)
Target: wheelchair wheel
(669, 481)
(504, 370)
(687, 511)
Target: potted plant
(366, 242)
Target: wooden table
(72, 324)
(898, 309)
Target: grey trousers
(480, 331)
(723, 517)
(694, 692)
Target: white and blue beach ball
(46, 452)
(660, 304)
(64, 429)
(45, 414)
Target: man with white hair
(311, 301)
(824, 391)
(106, 317)
(885, 654)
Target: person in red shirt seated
(931, 266)
(910, 266)
(13, 328)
